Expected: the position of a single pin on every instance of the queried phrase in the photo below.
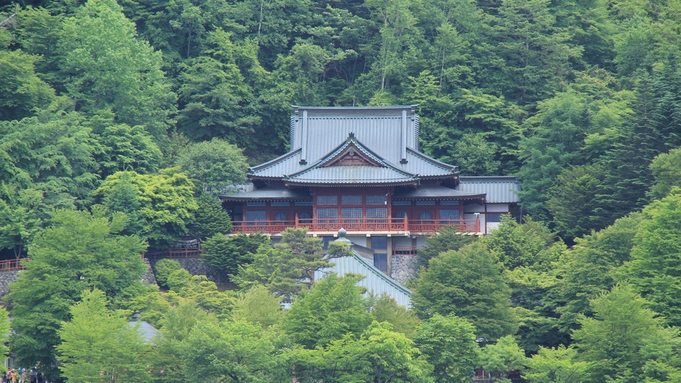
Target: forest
(120, 122)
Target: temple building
(360, 169)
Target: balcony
(378, 225)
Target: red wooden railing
(355, 224)
(11, 264)
(173, 253)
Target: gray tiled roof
(276, 168)
(319, 173)
(319, 130)
(499, 189)
(351, 175)
(145, 329)
(424, 166)
(375, 281)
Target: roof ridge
(274, 161)
(351, 140)
(435, 162)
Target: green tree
(655, 263)
(216, 97)
(591, 266)
(503, 357)
(665, 168)
(5, 328)
(78, 251)
(53, 153)
(200, 290)
(624, 338)
(258, 305)
(398, 35)
(379, 355)
(332, 308)
(124, 147)
(555, 365)
(534, 51)
(226, 254)
(385, 309)
(166, 202)
(214, 165)
(210, 218)
(232, 351)
(163, 268)
(467, 283)
(448, 344)
(167, 355)
(20, 217)
(98, 345)
(447, 239)
(128, 80)
(575, 203)
(22, 90)
(290, 266)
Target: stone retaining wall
(404, 268)
(195, 267)
(7, 277)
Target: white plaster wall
(497, 207)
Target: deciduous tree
(467, 283)
(78, 251)
(98, 344)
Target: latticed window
(280, 216)
(377, 199)
(351, 200)
(351, 212)
(449, 214)
(425, 215)
(256, 215)
(377, 212)
(327, 200)
(326, 212)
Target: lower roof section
(375, 281)
(499, 189)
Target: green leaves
(110, 68)
(98, 345)
(77, 252)
(446, 288)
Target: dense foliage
(120, 122)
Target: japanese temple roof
(352, 163)
(386, 130)
(390, 133)
(436, 191)
(270, 192)
(499, 189)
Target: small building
(360, 169)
